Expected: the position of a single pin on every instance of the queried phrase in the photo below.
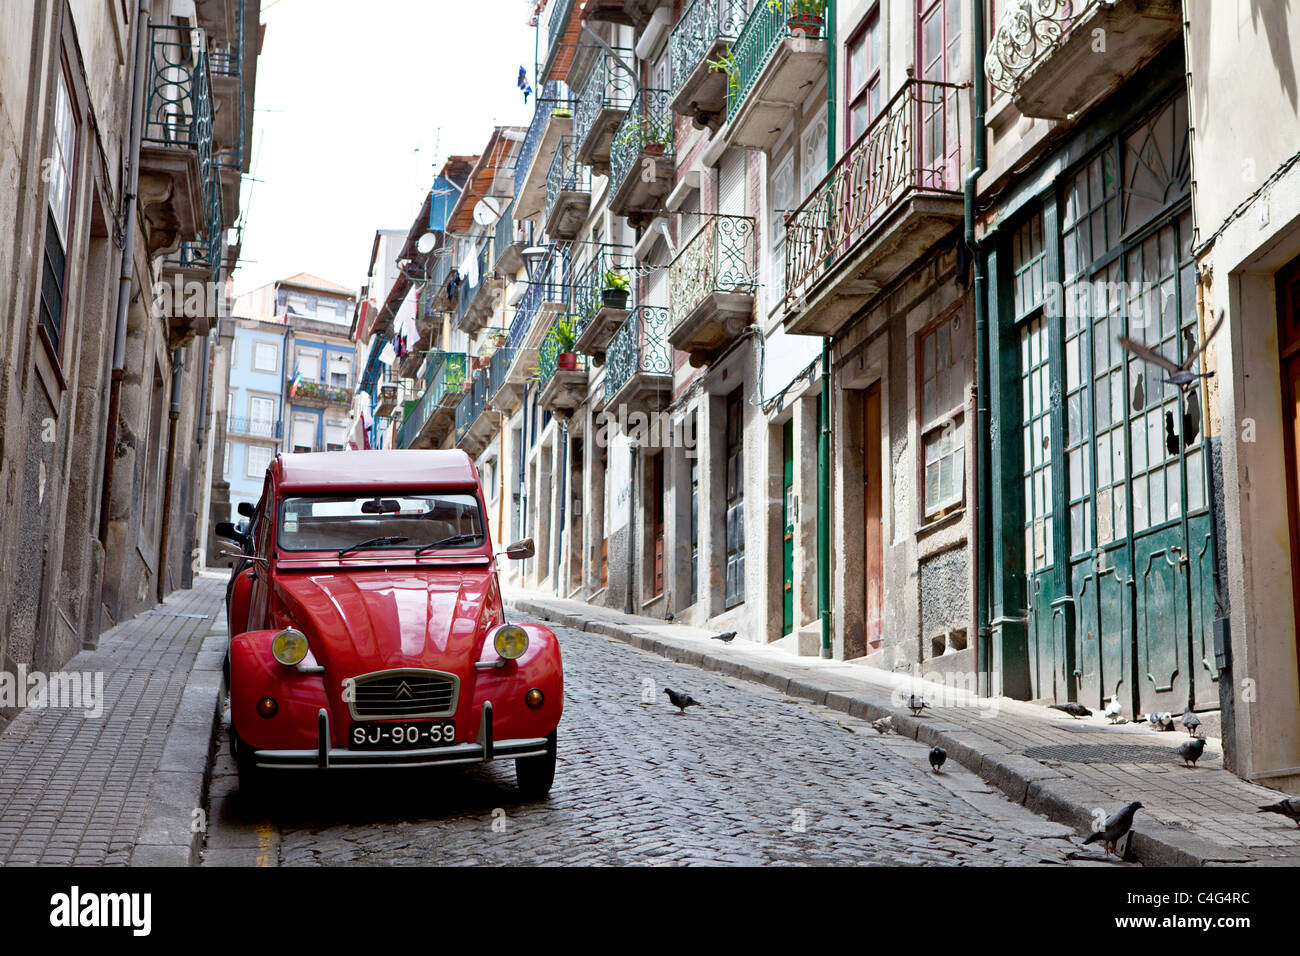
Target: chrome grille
(408, 692)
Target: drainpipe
(981, 527)
(824, 436)
(129, 198)
(629, 603)
(564, 491)
(173, 415)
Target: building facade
(124, 172)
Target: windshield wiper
(454, 539)
(372, 542)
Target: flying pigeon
(1073, 709)
(1289, 807)
(1191, 750)
(884, 725)
(1116, 825)
(726, 638)
(1190, 721)
(680, 701)
(1180, 375)
(1113, 709)
(916, 704)
(937, 756)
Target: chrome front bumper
(326, 756)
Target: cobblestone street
(749, 777)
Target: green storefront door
(788, 517)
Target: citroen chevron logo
(403, 690)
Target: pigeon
(1073, 709)
(937, 756)
(681, 701)
(884, 725)
(1191, 750)
(1116, 825)
(1161, 721)
(1190, 721)
(1289, 807)
(916, 704)
(726, 638)
(1113, 709)
(669, 616)
(1180, 375)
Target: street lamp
(533, 256)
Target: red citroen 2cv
(367, 628)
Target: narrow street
(749, 777)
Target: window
(782, 203)
(266, 357)
(258, 460)
(261, 416)
(734, 587)
(939, 52)
(812, 152)
(336, 436)
(304, 435)
(298, 305)
(862, 79)
(309, 365)
(340, 372)
(405, 520)
(225, 468)
(61, 169)
(942, 382)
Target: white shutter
(304, 433)
(731, 183)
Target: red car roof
(380, 469)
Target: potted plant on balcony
(565, 333)
(727, 64)
(656, 134)
(617, 288)
(803, 17)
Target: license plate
(402, 736)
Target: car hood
(365, 621)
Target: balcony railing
(499, 367)
(720, 257)
(646, 128)
(770, 22)
(704, 23)
(561, 11)
(443, 376)
(913, 145)
(1027, 30)
(467, 293)
(548, 355)
(253, 427)
(320, 392)
(504, 237)
(608, 87)
(592, 279)
(473, 404)
(553, 96)
(566, 175)
(639, 345)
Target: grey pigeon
(1116, 825)
(726, 638)
(1161, 721)
(680, 701)
(937, 756)
(1180, 375)
(916, 704)
(884, 725)
(1113, 710)
(1289, 807)
(1073, 709)
(1191, 750)
(1190, 721)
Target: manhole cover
(1106, 753)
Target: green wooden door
(788, 518)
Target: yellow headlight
(510, 641)
(289, 646)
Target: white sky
(358, 104)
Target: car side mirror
(520, 550)
(246, 509)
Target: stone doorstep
(1062, 799)
(181, 780)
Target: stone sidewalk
(82, 790)
(1063, 768)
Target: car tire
(534, 775)
(250, 777)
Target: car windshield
(352, 523)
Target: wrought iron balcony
(893, 194)
(561, 30)
(473, 420)
(597, 316)
(711, 287)
(568, 192)
(561, 372)
(253, 427)
(639, 362)
(641, 163)
(474, 302)
(545, 295)
(426, 424)
(1042, 50)
(552, 118)
(778, 56)
(604, 100)
(318, 394)
(702, 36)
(507, 243)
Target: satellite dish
(488, 211)
(427, 243)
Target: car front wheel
(250, 777)
(534, 775)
